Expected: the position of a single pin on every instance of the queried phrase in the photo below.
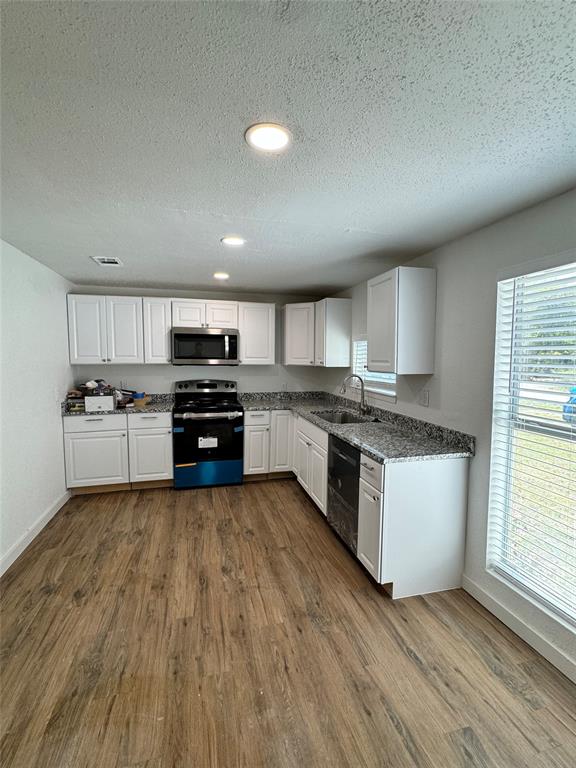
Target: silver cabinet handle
(101, 419)
(311, 362)
(375, 498)
(366, 466)
(103, 359)
(143, 416)
(123, 434)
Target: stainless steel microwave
(204, 346)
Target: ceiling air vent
(107, 261)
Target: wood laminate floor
(229, 627)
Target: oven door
(204, 346)
(208, 449)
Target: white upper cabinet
(401, 321)
(195, 313)
(333, 333)
(87, 329)
(222, 314)
(188, 313)
(157, 325)
(256, 324)
(299, 334)
(124, 329)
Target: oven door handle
(211, 415)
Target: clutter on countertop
(97, 396)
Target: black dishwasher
(343, 482)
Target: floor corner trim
(30, 533)
(551, 653)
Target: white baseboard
(30, 534)
(547, 649)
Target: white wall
(461, 388)
(34, 378)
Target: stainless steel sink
(341, 417)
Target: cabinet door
(302, 447)
(96, 458)
(188, 313)
(318, 476)
(281, 441)
(256, 450)
(299, 334)
(124, 329)
(256, 324)
(222, 314)
(320, 333)
(370, 529)
(150, 455)
(157, 325)
(382, 317)
(87, 329)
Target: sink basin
(341, 417)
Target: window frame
(508, 357)
(371, 386)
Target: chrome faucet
(362, 407)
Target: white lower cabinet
(318, 483)
(370, 529)
(256, 449)
(311, 464)
(117, 448)
(150, 454)
(411, 523)
(96, 458)
(281, 441)
(267, 442)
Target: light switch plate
(425, 397)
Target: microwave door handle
(226, 347)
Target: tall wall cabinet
(401, 321)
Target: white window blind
(532, 517)
(379, 382)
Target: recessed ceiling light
(268, 137)
(233, 240)
(221, 275)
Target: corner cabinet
(401, 321)
(333, 333)
(257, 328)
(299, 334)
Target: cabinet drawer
(313, 433)
(95, 422)
(150, 420)
(372, 472)
(256, 418)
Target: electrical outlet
(425, 397)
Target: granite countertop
(157, 404)
(384, 436)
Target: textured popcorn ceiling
(413, 122)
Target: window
(384, 383)
(532, 519)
